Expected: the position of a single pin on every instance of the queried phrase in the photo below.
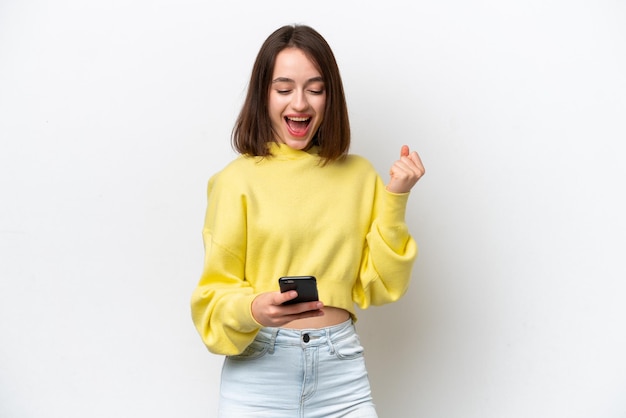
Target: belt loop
(273, 340)
(330, 341)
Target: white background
(114, 114)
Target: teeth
(298, 119)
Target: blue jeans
(318, 373)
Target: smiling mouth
(298, 125)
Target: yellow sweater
(289, 215)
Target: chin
(299, 144)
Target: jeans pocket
(348, 348)
(255, 350)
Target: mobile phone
(306, 286)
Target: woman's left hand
(405, 172)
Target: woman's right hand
(269, 311)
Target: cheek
(320, 106)
(274, 103)
(274, 113)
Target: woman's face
(296, 100)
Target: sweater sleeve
(389, 253)
(221, 303)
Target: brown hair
(253, 129)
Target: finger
(302, 310)
(416, 158)
(285, 297)
(405, 164)
(306, 309)
(411, 162)
(418, 163)
(298, 308)
(404, 151)
(312, 306)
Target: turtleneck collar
(283, 151)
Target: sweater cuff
(394, 208)
(247, 323)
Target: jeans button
(306, 338)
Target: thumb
(404, 152)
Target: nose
(299, 100)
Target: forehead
(292, 62)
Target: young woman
(296, 203)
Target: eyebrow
(289, 80)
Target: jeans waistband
(305, 338)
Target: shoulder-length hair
(253, 128)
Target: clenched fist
(405, 172)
